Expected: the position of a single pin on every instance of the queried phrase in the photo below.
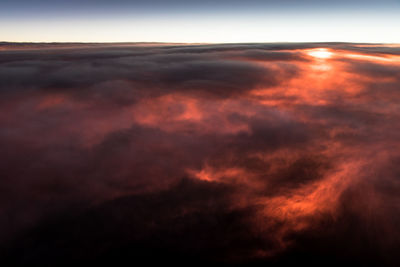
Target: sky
(200, 132)
(224, 21)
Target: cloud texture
(236, 153)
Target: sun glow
(321, 53)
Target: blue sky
(200, 21)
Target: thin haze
(200, 21)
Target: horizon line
(195, 43)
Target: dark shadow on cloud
(192, 218)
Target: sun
(321, 53)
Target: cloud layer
(241, 153)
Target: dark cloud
(163, 69)
(235, 153)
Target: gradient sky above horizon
(223, 21)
